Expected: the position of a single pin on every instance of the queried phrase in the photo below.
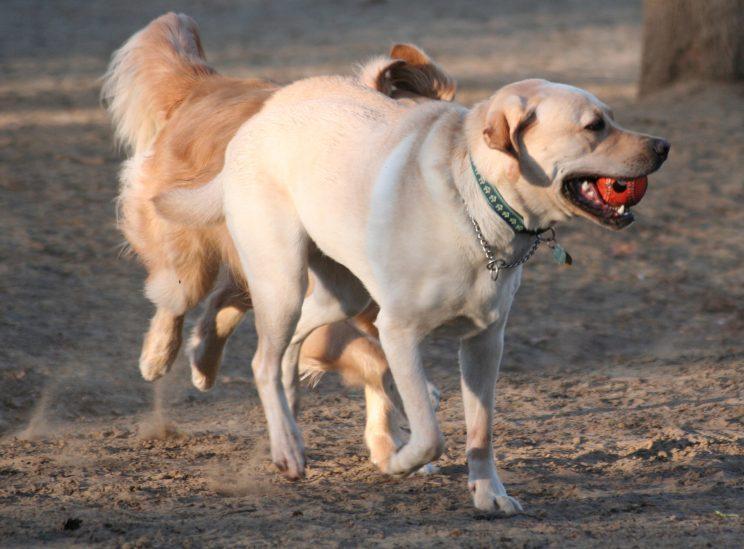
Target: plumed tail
(192, 205)
(150, 75)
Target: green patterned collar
(500, 206)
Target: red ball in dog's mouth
(622, 192)
(607, 200)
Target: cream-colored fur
(350, 186)
(175, 115)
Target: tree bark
(691, 40)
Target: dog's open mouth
(584, 194)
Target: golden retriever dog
(175, 115)
(430, 211)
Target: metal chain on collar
(495, 265)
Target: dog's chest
(486, 303)
(459, 327)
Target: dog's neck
(492, 165)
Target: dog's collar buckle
(496, 265)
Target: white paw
(509, 505)
(485, 499)
(415, 455)
(288, 454)
(428, 469)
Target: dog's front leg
(480, 357)
(400, 342)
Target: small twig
(238, 511)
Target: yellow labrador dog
(393, 203)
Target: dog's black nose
(661, 148)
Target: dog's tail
(200, 205)
(408, 73)
(150, 75)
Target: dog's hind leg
(336, 295)
(273, 249)
(180, 262)
(382, 432)
(352, 349)
(173, 293)
(341, 347)
(224, 311)
(161, 344)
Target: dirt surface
(619, 411)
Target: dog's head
(559, 140)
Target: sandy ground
(619, 413)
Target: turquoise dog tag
(561, 255)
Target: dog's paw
(381, 447)
(161, 345)
(414, 455)
(508, 505)
(291, 465)
(199, 380)
(291, 471)
(204, 365)
(288, 455)
(428, 469)
(202, 376)
(153, 368)
(485, 499)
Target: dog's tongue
(622, 192)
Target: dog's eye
(596, 125)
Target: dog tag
(561, 255)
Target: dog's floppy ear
(408, 73)
(506, 119)
(410, 54)
(378, 74)
(419, 75)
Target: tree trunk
(691, 40)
